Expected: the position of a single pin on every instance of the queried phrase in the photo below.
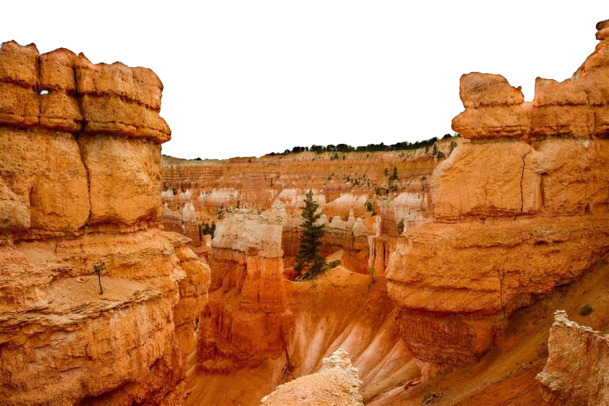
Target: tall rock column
(247, 320)
(79, 189)
(520, 207)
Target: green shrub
(586, 310)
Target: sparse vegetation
(586, 310)
(98, 268)
(371, 272)
(400, 146)
(207, 229)
(394, 174)
(453, 145)
(429, 398)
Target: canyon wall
(261, 330)
(353, 189)
(521, 207)
(79, 189)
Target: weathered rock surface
(247, 320)
(65, 92)
(575, 108)
(512, 218)
(336, 383)
(577, 371)
(79, 186)
(339, 309)
(352, 193)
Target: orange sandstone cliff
(79, 186)
(450, 275)
(519, 209)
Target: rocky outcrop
(247, 320)
(336, 383)
(518, 209)
(79, 189)
(575, 108)
(577, 371)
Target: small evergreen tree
(394, 174)
(453, 145)
(310, 240)
(98, 268)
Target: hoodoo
(79, 187)
(520, 208)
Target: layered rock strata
(247, 320)
(520, 208)
(79, 189)
(360, 184)
(577, 371)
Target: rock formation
(577, 371)
(79, 187)
(197, 192)
(336, 383)
(247, 319)
(518, 209)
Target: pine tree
(394, 174)
(310, 240)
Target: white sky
(244, 78)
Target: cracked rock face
(577, 371)
(79, 186)
(519, 208)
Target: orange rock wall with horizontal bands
(576, 108)
(521, 207)
(247, 320)
(79, 185)
(80, 143)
